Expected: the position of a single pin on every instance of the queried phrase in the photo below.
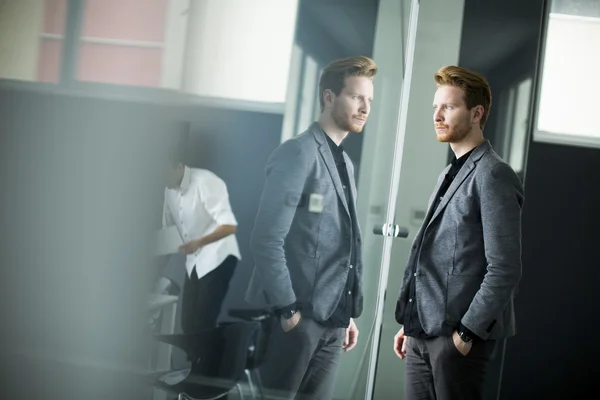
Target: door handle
(391, 230)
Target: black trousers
(202, 298)
(436, 370)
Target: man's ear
(328, 97)
(478, 111)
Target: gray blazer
(467, 254)
(302, 239)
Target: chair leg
(258, 383)
(239, 388)
(250, 383)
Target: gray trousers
(302, 363)
(436, 370)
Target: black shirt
(412, 323)
(343, 312)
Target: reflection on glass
(31, 37)
(328, 30)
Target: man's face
(351, 107)
(452, 120)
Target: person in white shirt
(197, 202)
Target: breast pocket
(464, 209)
(304, 234)
(318, 196)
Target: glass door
(390, 27)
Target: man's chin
(357, 128)
(443, 138)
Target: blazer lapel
(458, 180)
(351, 178)
(434, 195)
(330, 163)
(464, 172)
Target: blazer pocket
(316, 195)
(303, 236)
(465, 209)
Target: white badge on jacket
(315, 203)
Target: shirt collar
(335, 149)
(458, 162)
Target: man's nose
(365, 108)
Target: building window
(225, 51)
(567, 104)
(31, 42)
(123, 42)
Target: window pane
(126, 65)
(567, 103)
(520, 125)
(231, 49)
(31, 39)
(140, 20)
(122, 42)
(240, 49)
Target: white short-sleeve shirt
(197, 207)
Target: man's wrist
(287, 312)
(466, 335)
(465, 338)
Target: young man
(307, 242)
(456, 298)
(197, 203)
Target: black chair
(218, 361)
(257, 350)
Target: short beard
(346, 125)
(455, 135)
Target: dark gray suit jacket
(467, 254)
(302, 239)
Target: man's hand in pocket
(289, 324)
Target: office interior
(92, 91)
